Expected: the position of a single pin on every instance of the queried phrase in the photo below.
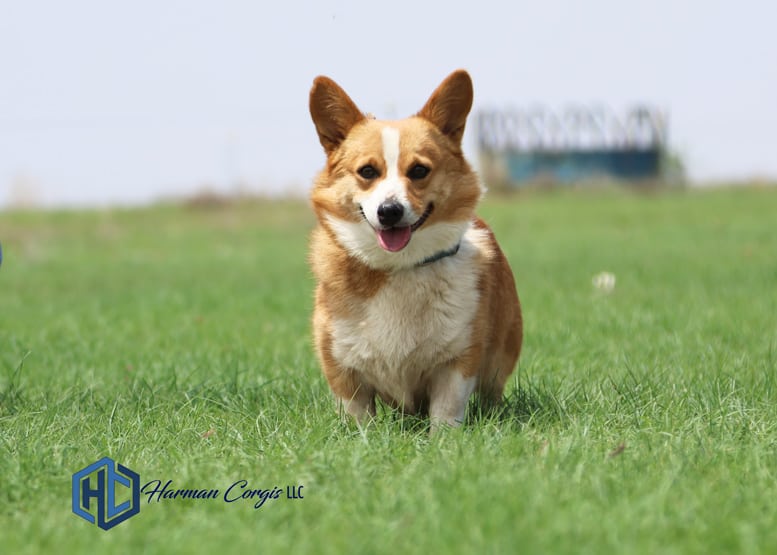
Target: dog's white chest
(420, 319)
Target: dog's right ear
(449, 105)
(333, 112)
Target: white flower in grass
(604, 281)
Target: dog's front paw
(448, 400)
(361, 408)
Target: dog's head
(394, 193)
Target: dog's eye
(418, 171)
(368, 172)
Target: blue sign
(95, 491)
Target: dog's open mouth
(394, 239)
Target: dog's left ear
(333, 112)
(450, 104)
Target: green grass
(176, 341)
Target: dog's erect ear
(449, 105)
(333, 112)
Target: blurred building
(579, 145)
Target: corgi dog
(415, 302)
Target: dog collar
(440, 255)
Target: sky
(114, 103)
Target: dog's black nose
(389, 213)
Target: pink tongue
(394, 238)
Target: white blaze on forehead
(390, 137)
(391, 186)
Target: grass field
(176, 341)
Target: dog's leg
(448, 397)
(352, 394)
(361, 405)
